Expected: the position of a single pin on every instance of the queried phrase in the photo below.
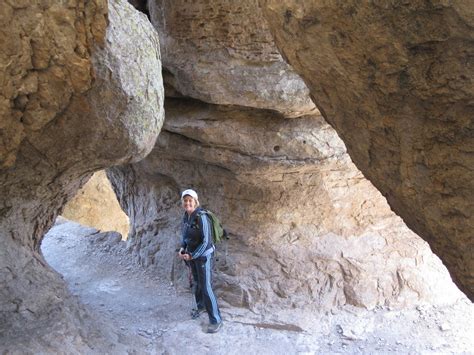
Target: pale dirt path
(151, 316)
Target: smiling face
(189, 204)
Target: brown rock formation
(80, 94)
(222, 52)
(396, 81)
(307, 229)
(96, 205)
(76, 102)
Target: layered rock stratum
(73, 101)
(396, 81)
(222, 52)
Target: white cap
(189, 192)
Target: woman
(197, 249)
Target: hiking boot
(195, 313)
(214, 328)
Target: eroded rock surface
(222, 52)
(307, 229)
(96, 205)
(396, 80)
(76, 102)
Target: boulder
(222, 52)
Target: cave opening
(96, 205)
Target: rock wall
(395, 79)
(72, 101)
(307, 229)
(96, 205)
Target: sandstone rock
(222, 52)
(75, 93)
(395, 79)
(307, 230)
(96, 205)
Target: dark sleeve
(205, 227)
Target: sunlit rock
(96, 205)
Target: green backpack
(218, 232)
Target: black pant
(202, 276)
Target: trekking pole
(192, 286)
(193, 298)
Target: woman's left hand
(187, 257)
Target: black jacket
(197, 234)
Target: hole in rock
(96, 205)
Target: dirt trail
(151, 316)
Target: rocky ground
(151, 316)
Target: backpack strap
(211, 221)
(200, 213)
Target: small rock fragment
(444, 327)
